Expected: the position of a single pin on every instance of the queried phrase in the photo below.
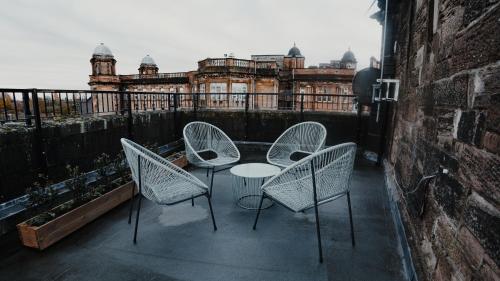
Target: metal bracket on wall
(386, 90)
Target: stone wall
(78, 141)
(447, 56)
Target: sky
(48, 44)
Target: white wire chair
(314, 180)
(201, 137)
(305, 137)
(160, 181)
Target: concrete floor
(178, 242)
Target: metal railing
(33, 104)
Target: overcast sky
(48, 44)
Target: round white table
(247, 180)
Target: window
(239, 89)
(216, 90)
(323, 95)
(201, 88)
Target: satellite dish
(362, 84)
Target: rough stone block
(450, 195)
(451, 91)
(479, 170)
(491, 142)
(493, 121)
(477, 46)
(473, 250)
(465, 129)
(483, 220)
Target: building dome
(349, 57)
(147, 60)
(294, 51)
(102, 51)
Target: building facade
(277, 80)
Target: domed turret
(294, 52)
(349, 60)
(349, 56)
(102, 61)
(102, 51)
(294, 59)
(147, 60)
(148, 66)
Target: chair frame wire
(348, 155)
(305, 137)
(229, 151)
(169, 171)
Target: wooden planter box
(43, 236)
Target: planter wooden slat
(45, 235)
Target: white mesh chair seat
(178, 191)
(202, 137)
(220, 161)
(159, 180)
(316, 179)
(305, 137)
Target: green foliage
(101, 164)
(41, 198)
(76, 184)
(119, 166)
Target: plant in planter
(120, 169)
(88, 202)
(41, 198)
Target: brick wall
(447, 56)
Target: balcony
(174, 77)
(232, 65)
(177, 242)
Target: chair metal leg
(212, 181)
(131, 205)
(258, 211)
(207, 171)
(211, 212)
(318, 232)
(192, 202)
(350, 218)
(315, 198)
(137, 218)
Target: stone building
(446, 55)
(223, 82)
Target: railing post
(359, 121)
(195, 105)
(38, 144)
(247, 99)
(301, 107)
(26, 107)
(129, 117)
(175, 116)
(122, 102)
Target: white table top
(255, 170)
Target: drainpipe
(386, 105)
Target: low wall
(78, 141)
(267, 126)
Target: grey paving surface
(178, 242)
